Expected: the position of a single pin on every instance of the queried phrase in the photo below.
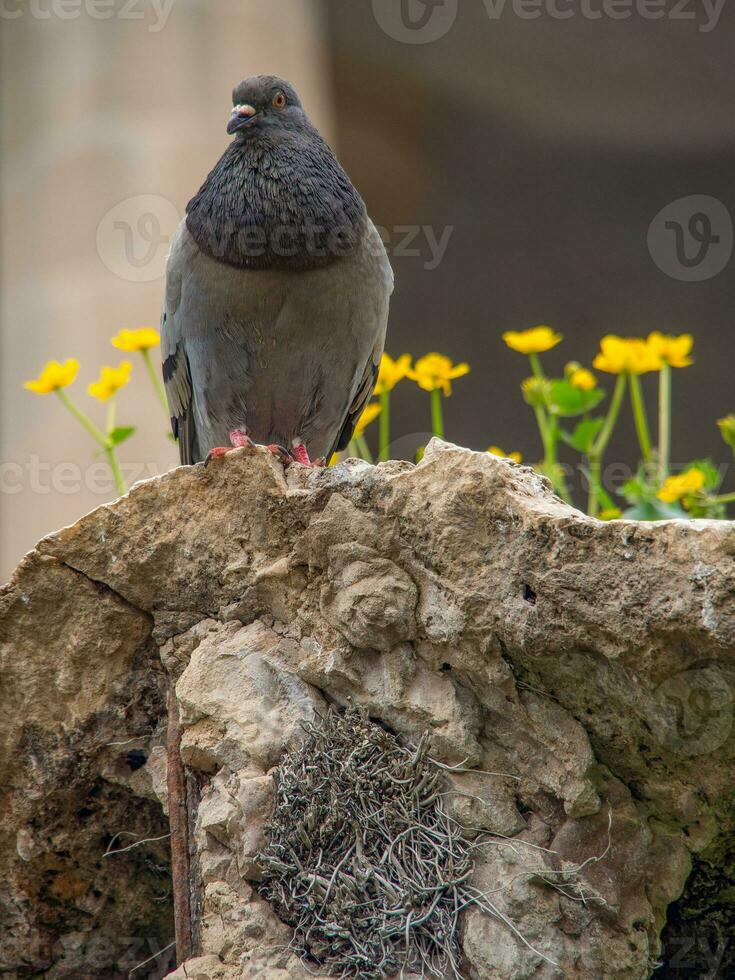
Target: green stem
(364, 449)
(111, 451)
(116, 471)
(543, 426)
(110, 415)
(595, 470)
(98, 436)
(437, 414)
(536, 365)
(612, 416)
(549, 428)
(88, 424)
(384, 426)
(725, 498)
(353, 450)
(157, 383)
(597, 451)
(640, 416)
(664, 423)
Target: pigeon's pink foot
(238, 439)
(300, 453)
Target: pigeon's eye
(279, 100)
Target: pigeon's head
(264, 102)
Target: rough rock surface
(591, 665)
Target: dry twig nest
(361, 860)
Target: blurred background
(517, 156)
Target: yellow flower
(436, 371)
(497, 451)
(53, 377)
(673, 350)
(391, 372)
(683, 485)
(372, 411)
(626, 354)
(533, 341)
(141, 339)
(583, 379)
(110, 380)
(610, 514)
(727, 429)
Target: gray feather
(286, 355)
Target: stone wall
(584, 670)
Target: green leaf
(709, 470)
(120, 434)
(566, 400)
(642, 488)
(584, 435)
(702, 508)
(635, 490)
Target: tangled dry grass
(362, 861)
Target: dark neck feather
(279, 201)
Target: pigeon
(277, 292)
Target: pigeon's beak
(241, 116)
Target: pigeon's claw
(281, 453)
(216, 453)
(239, 439)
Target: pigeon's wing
(176, 371)
(364, 393)
(375, 315)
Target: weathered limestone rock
(586, 672)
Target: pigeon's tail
(364, 393)
(186, 433)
